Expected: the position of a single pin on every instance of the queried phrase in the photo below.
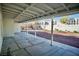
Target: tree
(64, 19)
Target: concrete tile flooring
(27, 45)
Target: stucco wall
(10, 27)
(1, 32)
(17, 27)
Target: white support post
(35, 31)
(51, 32)
(27, 29)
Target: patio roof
(30, 11)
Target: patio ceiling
(29, 11)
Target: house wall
(10, 27)
(64, 27)
(46, 27)
(17, 27)
(1, 30)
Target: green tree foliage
(64, 19)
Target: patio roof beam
(40, 10)
(9, 12)
(32, 12)
(65, 6)
(24, 10)
(52, 9)
(10, 9)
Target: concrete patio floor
(71, 39)
(23, 44)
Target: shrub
(75, 31)
(64, 19)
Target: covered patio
(15, 42)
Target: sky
(59, 17)
(70, 16)
(74, 16)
